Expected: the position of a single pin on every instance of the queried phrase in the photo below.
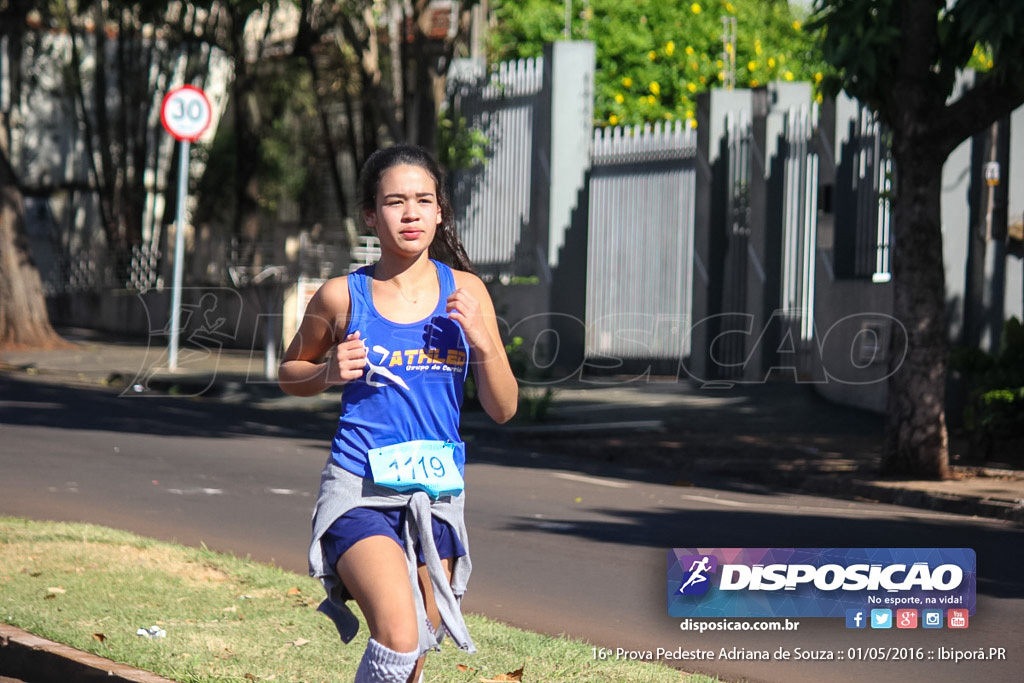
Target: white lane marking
(591, 480)
(808, 508)
(283, 492)
(188, 492)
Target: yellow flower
(619, 98)
(754, 82)
(788, 75)
(655, 87)
(751, 65)
(652, 55)
(817, 77)
(719, 63)
(771, 62)
(729, 8)
(695, 8)
(693, 123)
(694, 66)
(613, 119)
(757, 47)
(818, 98)
(692, 87)
(668, 115)
(689, 50)
(689, 113)
(703, 79)
(651, 99)
(670, 47)
(797, 26)
(627, 82)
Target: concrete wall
(212, 317)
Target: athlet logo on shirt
(420, 359)
(380, 361)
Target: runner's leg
(431, 606)
(375, 572)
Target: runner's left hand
(465, 309)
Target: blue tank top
(412, 386)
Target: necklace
(399, 288)
(401, 292)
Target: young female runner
(400, 336)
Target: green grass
(230, 619)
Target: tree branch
(976, 109)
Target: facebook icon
(856, 618)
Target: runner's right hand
(347, 360)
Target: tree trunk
(24, 321)
(916, 441)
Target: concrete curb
(37, 660)
(972, 506)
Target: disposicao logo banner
(817, 582)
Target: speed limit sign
(185, 113)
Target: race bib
(417, 466)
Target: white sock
(383, 665)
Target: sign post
(186, 115)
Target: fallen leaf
(99, 636)
(250, 677)
(233, 608)
(294, 591)
(516, 675)
(463, 668)
(300, 642)
(56, 590)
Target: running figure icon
(696, 570)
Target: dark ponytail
(446, 247)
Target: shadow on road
(1000, 551)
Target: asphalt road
(560, 545)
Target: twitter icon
(881, 618)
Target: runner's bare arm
(470, 305)
(315, 359)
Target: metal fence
(96, 268)
(640, 242)
(862, 204)
(799, 227)
(493, 200)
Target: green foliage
(534, 401)
(862, 39)
(284, 98)
(654, 58)
(285, 153)
(458, 145)
(996, 404)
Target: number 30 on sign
(185, 113)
